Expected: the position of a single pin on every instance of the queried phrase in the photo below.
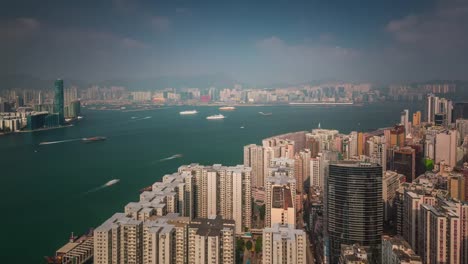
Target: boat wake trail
(107, 184)
(176, 156)
(60, 141)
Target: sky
(255, 42)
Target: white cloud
(445, 27)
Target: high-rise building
(280, 200)
(446, 147)
(360, 144)
(119, 240)
(390, 184)
(315, 179)
(70, 95)
(456, 187)
(59, 101)
(354, 207)
(417, 118)
(462, 128)
(431, 103)
(253, 157)
(302, 169)
(376, 149)
(165, 240)
(235, 196)
(40, 99)
(443, 233)
(404, 120)
(224, 191)
(404, 162)
(397, 136)
(284, 244)
(439, 106)
(211, 241)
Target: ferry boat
(93, 139)
(227, 108)
(215, 117)
(189, 112)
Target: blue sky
(257, 42)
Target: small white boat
(111, 182)
(189, 112)
(265, 114)
(215, 117)
(227, 108)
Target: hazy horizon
(257, 43)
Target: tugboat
(93, 139)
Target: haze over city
(234, 132)
(258, 43)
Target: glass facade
(59, 101)
(354, 207)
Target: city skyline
(259, 44)
(234, 132)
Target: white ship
(189, 112)
(214, 117)
(227, 108)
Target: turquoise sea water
(44, 190)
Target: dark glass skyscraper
(58, 101)
(354, 207)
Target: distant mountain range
(22, 81)
(219, 80)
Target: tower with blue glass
(58, 101)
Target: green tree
(258, 245)
(262, 212)
(248, 245)
(240, 245)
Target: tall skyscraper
(354, 207)
(405, 120)
(315, 179)
(431, 107)
(40, 99)
(253, 157)
(417, 118)
(302, 169)
(59, 101)
(441, 107)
